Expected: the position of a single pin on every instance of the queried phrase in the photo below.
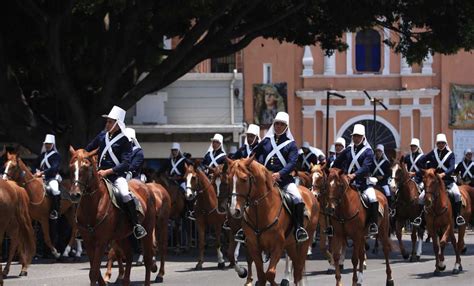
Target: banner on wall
(463, 139)
(461, 106)
(268, 100)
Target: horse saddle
(364, 199)
(117, 199)
(289, 205)
(451, 199)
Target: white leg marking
(233, 202)
(220, 257)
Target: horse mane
(24, 167)
(266, 175)
(431, 173)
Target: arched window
(368, 51)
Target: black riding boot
(457, 214)
(300, 233)
(373, 215)
(138, 230)
(55, 205)
(190, 212)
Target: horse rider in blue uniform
(252, 138)
(413, 162)
(215, 154)
(115, 151)
(442, 159)
(48, 167)
(339, 146)
(307, 156)
(465, 169)
(175, 169)
(356, 161)
(382, 171)
(279, 154)
(137, 159)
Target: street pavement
(180, 270)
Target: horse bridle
(338, 202)
(84, 186)
(21, 174)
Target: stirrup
(392, 212)
(301, 235)
(417, 221)
(139, 231)
(191, 216)
(329, 231)
(460, 220)
(240, 236)
(225, 226)
(53, 215)
(373, 229)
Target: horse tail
(27, 244)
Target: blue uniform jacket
(54, 161)
(136, 162)
(419, 175)
(387, 172)
(429, 161)
(242, 152)
(311, 159)
(289, 152)
(207, 158)
(181, 167)
(460, 169)
(122, 150)
(366, 160)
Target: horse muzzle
(330, 210)
(75, 197)
(236, 213)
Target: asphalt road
(179, 270)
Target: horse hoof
(23, 273)
(442, 268)
(140, 263)
(460, 267)
(285, 282)
(406, 256)
(159, 279)
(390, 283)
(221, 265)
(198, 267)
(436, 273)
(154, 268)
(243, 274)
(365, 267)
(456, 271)
(418, 258)
(464, 250)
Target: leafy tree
(63, 63)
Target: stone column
(405, 68)
(349, 69)
(386, 53)
(427, 64)
(330, 64)
(308, 62)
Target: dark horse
(267, 226)
(439, 219)
(407, 208)
(100, 222)
(348, 217)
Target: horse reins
(200, 192)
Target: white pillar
(308, 62)
(427, 64)
(349, 69)
(330, 64)
(386, 53)
(404, 67)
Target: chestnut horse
(40, 204)
(348, 217)
(199, 186)
(439, 219)
(304, 178)
(267, 226)
(407, 208)
(220, 181)
(100, 222)
(16, 222)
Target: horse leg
(127, 252)
(220, 256)
(1, 243)
(110, 262)
(47, 239)
(256, 256)
(385, 239)
(271, 270)
(201, 235)
(231, 249)
(69, 214)
(150, 265)
(336, 254)
(362, 257)
(355, 262)
(461, 233)
(457, 247)
(436, 253)
(162, 236)
(14, 241)
(398, 233)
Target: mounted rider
(339, 145)
(279, 154)
(465, 169)
(413, 162)
(307, 156)
(137, 159)
(252, 138)
(382, 172)
(48, 167)
(442, 159)
(215, 154)
(356, 161)
(115, 151)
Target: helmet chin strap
(361, 141)
(284, 131)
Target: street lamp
(329, 93)
(374, 102)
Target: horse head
(221, 184)
(318, 179)
(337, 184)
(83, 167)
(12, 167)
(434, 187)
(191, 182)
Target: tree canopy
(65, 62)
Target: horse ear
(249, 160)
(229, 160)
(93, 153)
(71, 150)
(402, 160)
(197, 162)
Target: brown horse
(100, 222)
(39, 203)
(268, 227)
(406, 208)
(220, 181)
(199, 186)
(348, 217)
(16, 222)
(304, 178)
(163, 208)
(439, 219)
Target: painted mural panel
(268, 100)
(461, 106)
